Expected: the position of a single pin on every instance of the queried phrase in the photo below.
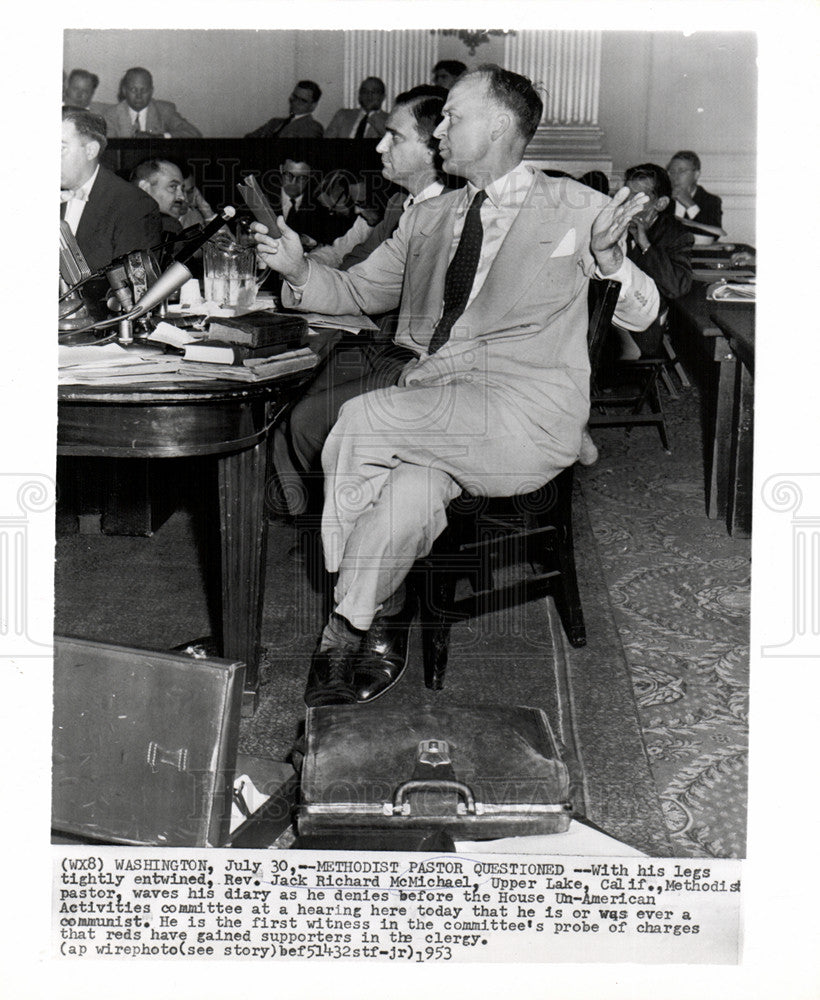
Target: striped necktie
(461, 273)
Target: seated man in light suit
(139, 114)
(492, 284)
(300, 123)
(365, 122)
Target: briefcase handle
(399, 804)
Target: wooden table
(227, 420)
(727, 330)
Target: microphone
(177, 274)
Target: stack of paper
(112, 364)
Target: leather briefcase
(478, 772)
(144, 744)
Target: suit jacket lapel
(525, 251)
(429, 257)
(153, 123)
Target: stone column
(565, 66)
(401, 58)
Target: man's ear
(662, 203)
(144, 185)
(503, 124)
(92, 149)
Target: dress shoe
(383, 656)
(330, 681)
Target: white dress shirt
(75, 206)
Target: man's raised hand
(284, 254)
(610, 227)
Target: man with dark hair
(365, 122)
(692, 201)
(163, 180)
(300, 123)
(108, 215)
(447, 71)
(360, 362)
(79, 91)
(492, 284)
(139, 114)
(659, 245)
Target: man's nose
(383, 145)
(439, 131)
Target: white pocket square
(567, 245)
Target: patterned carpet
(679, 585)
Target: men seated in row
(80, 87)
(139, 114)
(365, 122)
(410, 159)
(300, 123)
(486, 386)
(691, 200)
(108, 216)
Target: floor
(679, 586)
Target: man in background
(79, 91)
(692, 202)
(300, 123)
(659, 245)
(447, 71)
(109, 216)
(365, 122)
(163, 181)
(139, 114)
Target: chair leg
(657, 407)
(436, 621)
(565, 592)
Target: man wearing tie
(367, 121)
(492, 285)
(300, 123)
(109, 216)
(140, 114)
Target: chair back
(602, 297)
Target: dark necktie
(460, 273)
(362, 127)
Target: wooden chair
(634, 398)
(483, 531)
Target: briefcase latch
(433, 753)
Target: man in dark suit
(365, 122)
(493, 395)
(659, 245)
(109, 216)
(139, 114)
(692, 201)
(300, 123)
